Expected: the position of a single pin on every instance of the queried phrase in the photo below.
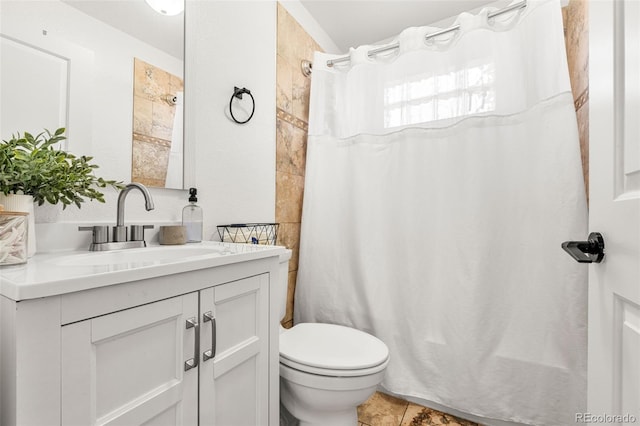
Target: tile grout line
(406, 407)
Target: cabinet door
(234, 386)
(128, 367)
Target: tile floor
(385, 410)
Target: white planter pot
(22, 203)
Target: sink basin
(147, 255)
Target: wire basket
(249, 233)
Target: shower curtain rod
(373, 52)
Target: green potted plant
(31, 165)
(34, 169)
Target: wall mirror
(110, 71)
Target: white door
(234, 369)
(128, 368)
(614, 284)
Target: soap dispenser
(192, 218)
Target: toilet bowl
(327, 370)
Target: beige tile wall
(152, 122)
(292, 116)
(576, 30)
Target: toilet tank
(282, 284)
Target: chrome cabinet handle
(193, 362)
(207, 355)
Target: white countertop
(66, 272)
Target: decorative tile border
(150, 139)
(285, 116)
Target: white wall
(228, 43)
(101, 115)
(232, 43)
(108, 101)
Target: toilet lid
(330, 346)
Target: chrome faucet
(101, 242)
(120, 231)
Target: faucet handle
(137, 232)
(100, 233)
(119, 234)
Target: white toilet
(326, 370)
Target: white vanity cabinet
(234, 384)
(144, 365)
(191, 348)
(126, 368)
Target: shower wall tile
(289, 194)
(284, 84)
(162, 120)
(301, 90)
(291, 290)
(576, 24)
(289, 236)
(286, 38)
(176, 84)
(576, 28)
(154, 83)
(150, 156)
(292, 115)
(153, 120)
(294, 46)
(292, 38)
(583, 128)
(291, 148)
(291, 119)
(283, 142)
(142, 115)
(144, 83)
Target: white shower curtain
(440, 182)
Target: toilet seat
(333, 372)
(332, 350)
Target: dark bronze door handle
(590, 251)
